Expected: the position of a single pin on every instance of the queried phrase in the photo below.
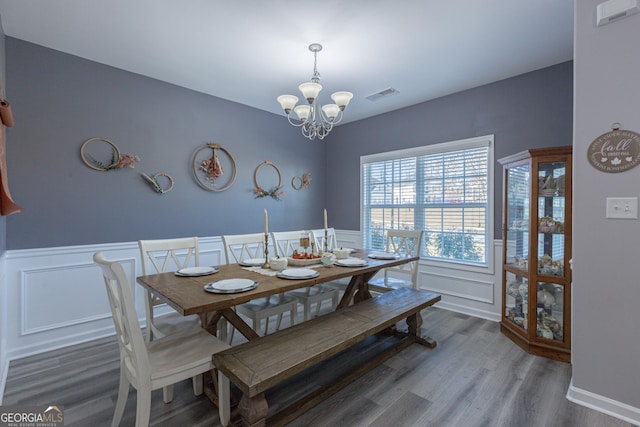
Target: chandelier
(315, 120)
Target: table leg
(358, 290)
(239, 324)
(415, 323)
(210, 323)
(253, 410)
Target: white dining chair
(251, 246)
(285, 243)
(148, 366)
(159, 256)
(318, 237)
(402, 242)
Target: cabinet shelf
(537, 249)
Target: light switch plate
(622, 207)
(612, 10)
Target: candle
(266, 222)
(325, 219)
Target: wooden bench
(261, 364)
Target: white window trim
(462, 144)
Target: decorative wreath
(117, 161)
(209, 170)
(300, 182)
(275, 192)
(153, 180)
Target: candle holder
(326, 240)
(266, 252)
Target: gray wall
(60, 100)
(527, 111)
(606, 319)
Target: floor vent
(382, 94)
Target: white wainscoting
(55, 297)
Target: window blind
(443, 192)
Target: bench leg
(253, 410)
(415, 323)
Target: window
(442, 189)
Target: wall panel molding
(32, 273)
(36, 314)
(71, 280)
(472, 288)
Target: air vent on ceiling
(382, 94)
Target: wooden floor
(474, 377)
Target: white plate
(383, 255)
(345, 249)
(298, 273)
(196, 271)
(351, 262)
(252, 262)
(230, 286)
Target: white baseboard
(603, 404)
(482, 314)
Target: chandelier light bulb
(288, 102)
(310, 91)
(342, 99)
(302, 111)
(331, 111)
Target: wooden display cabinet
(536, 233)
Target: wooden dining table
(187, 296)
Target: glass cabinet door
(517, 216)
(517, 300)
(550, 311)
(551, 218)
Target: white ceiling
(251, 51)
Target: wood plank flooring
(474, 377)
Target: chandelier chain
(316, 74)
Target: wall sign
(615, 151)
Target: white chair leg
(307, 309)
(224, 401)
(294, 313)
(167, 393)
(222, 329)
(143, 407)
(256, 325)
(233, 331)
(123, 392)
(198, 384)
(279, 322)
(318, 305)
(266, 325)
